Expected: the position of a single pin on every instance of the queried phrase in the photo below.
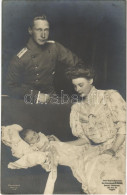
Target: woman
(97, 157)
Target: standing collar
(92, 91)
(33, 46)
(92, 95)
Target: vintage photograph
(63, 97)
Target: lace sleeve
(75, 124)
(118, 108)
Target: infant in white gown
(33, 150)
(37, 150)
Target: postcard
(63, 97)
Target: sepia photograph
(63, 85)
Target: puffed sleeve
(75, 124)
(117, 106)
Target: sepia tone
(57, 112)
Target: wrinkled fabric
(99, 118)
(30, 155)
(35, 69)
(104, 118)
(11, 138)
(104, 114)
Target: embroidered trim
(50, 41)
(22, 52)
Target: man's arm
(65, 56)
(15, 85)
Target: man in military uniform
(33, 68)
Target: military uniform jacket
(33, 68)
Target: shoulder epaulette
(50, 41)
(22, 52)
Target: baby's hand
(45, 147)
(52, 138)
(34, 148)
(109, 152)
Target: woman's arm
(78, 142)
(118, 142)
(117, 106)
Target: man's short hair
(43, 17)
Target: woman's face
(82, 86)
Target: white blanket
(27, 156)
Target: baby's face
(32, 137)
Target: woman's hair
(80, 71)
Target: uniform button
(36, 67)
(37, 80)
(53, 72)
(37, 74)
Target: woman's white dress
(99, 118)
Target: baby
(38, 141)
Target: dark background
(94, 30)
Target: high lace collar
(91, 98)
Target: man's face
(40, 31)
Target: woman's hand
(109, 151)
(83, 118)
(52, 138)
